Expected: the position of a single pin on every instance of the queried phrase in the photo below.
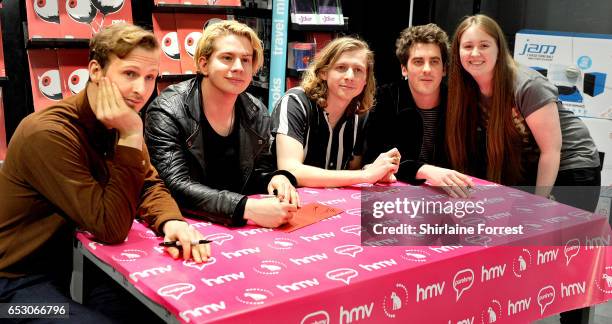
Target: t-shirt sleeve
(534, 93)
(290, 118)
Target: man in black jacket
(210, 140)
(410, 115)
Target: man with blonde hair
(82, 163)
(210, 140)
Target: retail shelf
(294, 73)
(57, 43)
(319, 28)
(238, 11)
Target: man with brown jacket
(82, 163)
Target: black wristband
(287, 174)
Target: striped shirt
(298, 117)
(430, 122)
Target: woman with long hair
(505, 122)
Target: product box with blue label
(580, 65)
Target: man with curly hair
(409, 114)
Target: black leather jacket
(176, 145)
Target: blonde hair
(228, 27)
(119, 39)
(316, 88)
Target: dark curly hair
(427, 34)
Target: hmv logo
(150, 272)
(254, 231)
(223, 279)
(518, 306)
(299, 285)
(577, 288)
(317, 237)
(378, 265)
(430, 291)
(548, 256)
(492, 273)
(599, 241)
(309, 259)
(534, 48)
(355, 314)
(464, 321)
(201, 311)
(239, 253)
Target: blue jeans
(104, 300)
(43, 288)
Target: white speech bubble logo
(176, 291)
(148, 234)
(354, 211)
(219, 238)
(321, 317)
(350, 250)
(282, 243)
(269, 267)
(352, 229)
(199, 266)
(572, 247)
(546, 296)
(463, 280)
(130, 255)
(343, 274)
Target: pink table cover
(321, 273)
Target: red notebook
(73, 70)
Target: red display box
(73, 70)
(45, 77)
(190, 27)
(164, 28)
(83, 18)
(43, 19)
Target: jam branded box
(45, 77)
(189, 28)
(164, 28)
(73, 70)
(43, 19)
(579, 65)
(83, 18)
